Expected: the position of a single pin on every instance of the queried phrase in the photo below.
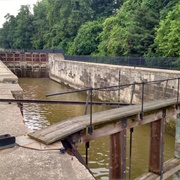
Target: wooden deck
(110, 120)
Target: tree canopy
(168, 34)
(96, 27)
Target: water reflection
(38, 116)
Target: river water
(37, 116)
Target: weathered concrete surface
(6, 76)
(30, 160)
(29, 164)
(83, 74)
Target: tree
(65, 18)
(7, 32)
(87, 39)
(24, 29)
(131, 31)
(168, 34)
(40, 24)
(105, 8)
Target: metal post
(87, 100)
(90, 128)
(85, 112)
(132, 94)
(176, 176)
(119, 83)
(87, 147)
(142, 101)
(130, 152)
(177, 95)
(165, 88)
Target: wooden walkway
(115, 122)
(110, 119)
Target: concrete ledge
(30, 160)
(28, 164)
(6, 76)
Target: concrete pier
(30, 160)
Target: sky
(12, 7)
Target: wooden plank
(170, 167)
(65, 128)
(117, 126)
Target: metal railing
(149, 62)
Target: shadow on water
(38, 116)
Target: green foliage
(7, 32)
(65, 18)
(105, 8)
(87, 39)
(96, 27)
(130, 32)
(24, 29)
(168, 34)
(40, 25)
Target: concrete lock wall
(82, 75)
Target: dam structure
(153, 98)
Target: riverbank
(29, 159)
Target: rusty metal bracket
(124, 123)
(70, 147)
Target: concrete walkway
(29, 159)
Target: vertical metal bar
(85, 112)
(142, 101)
(165, 88)
(132, 94)
(176, 176)
(119, 83)
(87, 100)
(90, 128)
(87, 147)
(130, 152)
(6, 57)
(177, 95)
(32, 62)
(14, 62)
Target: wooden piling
(156, 156)
(118, 155)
